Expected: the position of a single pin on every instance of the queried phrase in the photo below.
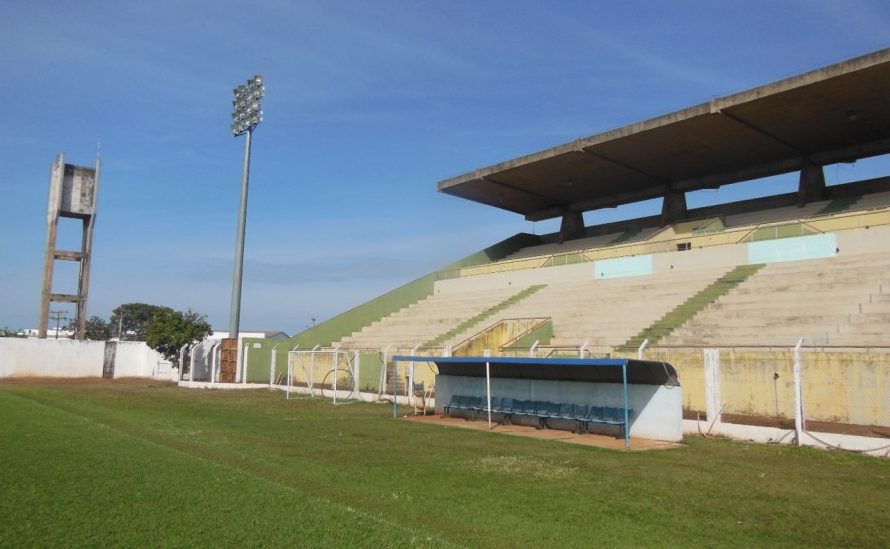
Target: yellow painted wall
(667, 240)
(845, 387)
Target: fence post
(487, 354)
(641, 352)
(798, 394)
(182, 360)
(356, 373)
(383, 372)
(713, 397)
(272, 365)
(312, 370)
(336, 360)
(192, 361)
(244, 365)
(409, 390)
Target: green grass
(131, 463)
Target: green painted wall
(369, 376)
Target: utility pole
(58, 316)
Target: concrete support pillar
(673, 208)
(812, 184)
(572, 226)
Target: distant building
(51, 333)
(272, 334)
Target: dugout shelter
(647, 393)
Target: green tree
(169, 330)
(129, 321)
(97, 329)
(6, 332)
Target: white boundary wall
(68, 358)
(872, 446)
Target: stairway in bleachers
(427, 319)
(689, 308)
(837, 301)
(605, 313)
(483, 316)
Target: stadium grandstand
(750, 278)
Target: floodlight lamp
(246, 106)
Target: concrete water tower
(73, 193)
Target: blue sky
(368, 105)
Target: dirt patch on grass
(586, 439)
(84, 381)
(788, 423)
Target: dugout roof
(838, 113)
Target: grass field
(136, 463)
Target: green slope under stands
(382, 306)
(839, 204)
(516, 298)
(691, 307)
(625, 236)
(542, 334)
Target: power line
(58, 316)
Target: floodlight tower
(246, 116)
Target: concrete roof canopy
(838, 113)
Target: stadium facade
(751, 279)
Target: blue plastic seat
(529, 407)
(612, 414)
(451, 404)
(565, 411)
(595, 413)
(579, 411)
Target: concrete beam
(68, 256)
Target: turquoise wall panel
(797, 248)
(624, 266)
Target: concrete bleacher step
(773, 215)
(689, 308)
(425, 319)
(486, 314)
(827, 301)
